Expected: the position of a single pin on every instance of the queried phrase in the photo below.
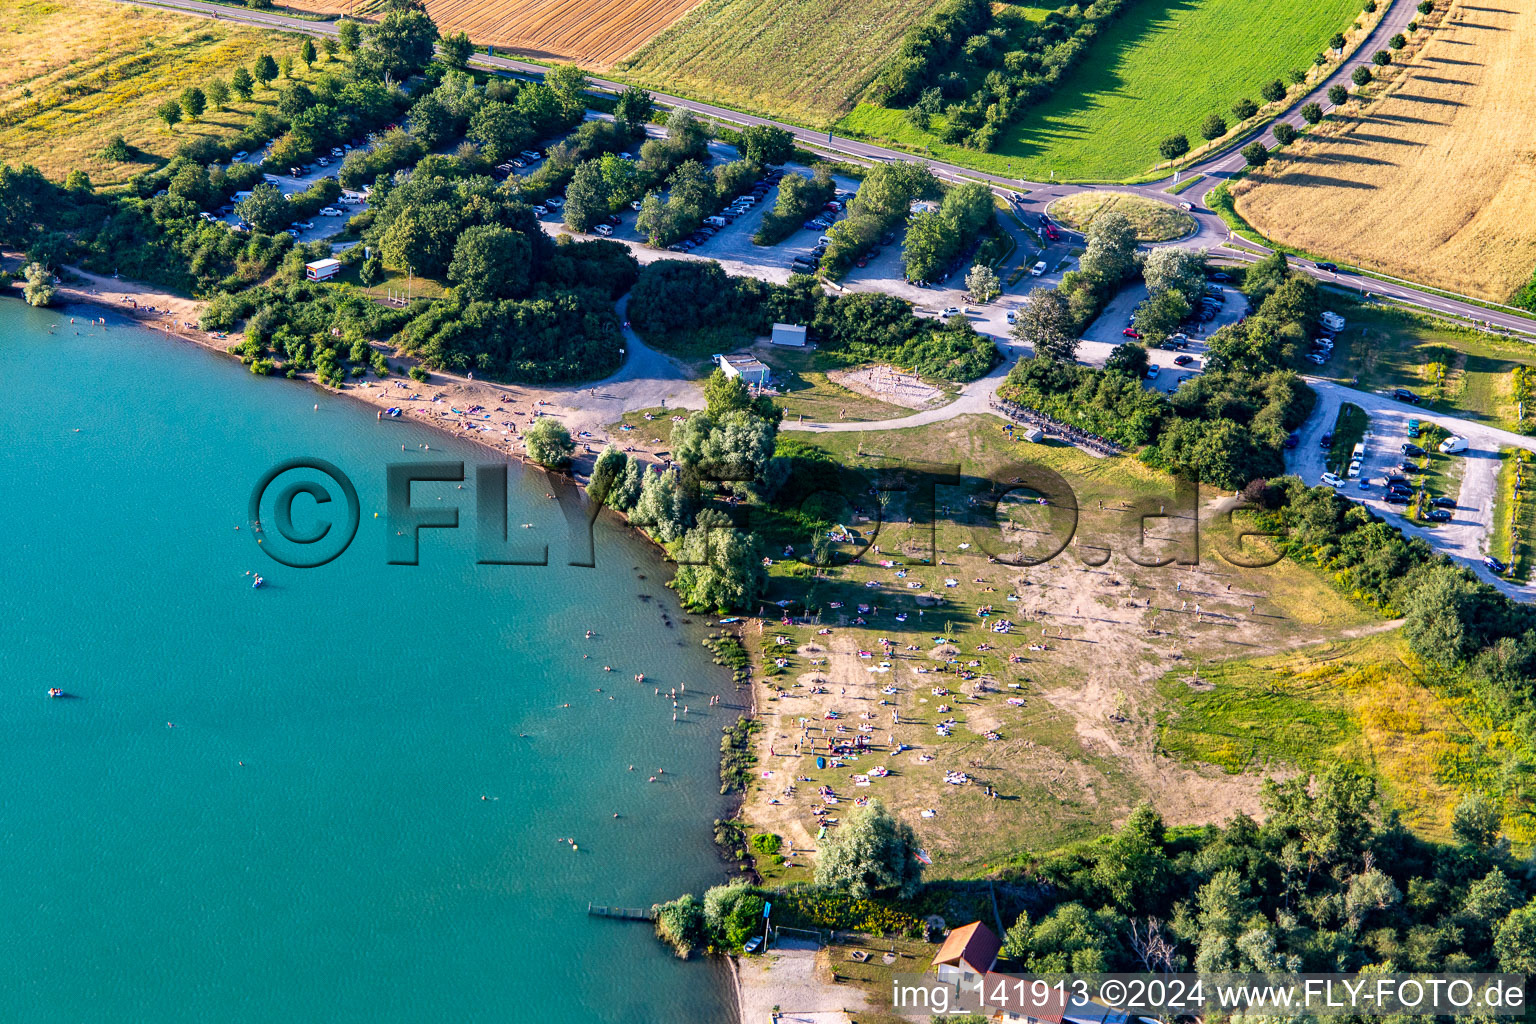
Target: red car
(1131, 332)
(1051, 233)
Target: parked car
(1292, 440)
(1333, 480)
(240, 156)
(1453, 444)
(1413, 428)
(1395, 499)
(950, 311)
(337, 151)
(541, 210)
(1494, 564)
(1436, 515)
(1131, 332)
(1394, 478)
(1051, 233)
(530, 154)
(555, 201)
(1153, 371)
(1037, 269)
(1182, 360)
(1221, 276)
(1402, 489)
(635, 205)
(1317, 357)
(330, 211)
(1013, 316)
(305, 225)
(603, 229)
(1404, 395)
(1326, 441)
(1408, 448)
(1444, 501)
(613, 220)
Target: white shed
(789, 334)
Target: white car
(636, 204)
(1354, 469)
(555, 201)
(541, 210)
(1037, 269)
(1453, 444)
(337, 151)
(604, 229)
(950, 311)
(330, 211)
(305, 225)
(1317, 358)
(240, 156)
(1333, 480)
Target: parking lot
(322, 227)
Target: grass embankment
(1365, 701)
(73, 76)
(1454, 369)
(1463, 113)
(1154, 221)
(1160, 69)
(806, 60)
(1513, 537)
(1063, 732)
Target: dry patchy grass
(808, 60)
(1434, 182)
(1153, 221)
(74, 75)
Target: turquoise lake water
(349, 870)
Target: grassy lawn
(73, 76)
(807, 60)
(1438, 475)
(1456, 369)
(807, 393)
(1153, 221)
(1348, 431)
(1513, 537)
(1161, 68)
(648, 428)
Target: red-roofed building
(968, 953)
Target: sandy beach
(490, 414)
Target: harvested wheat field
(595, 33)
(1436, 182)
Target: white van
(715, 221)
(603, 229)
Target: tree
(1273, 92)
(634, 109)
(1213, 127)
(1338, 95)
(926, 248)
(1162, 315)
(349, 34)
(1045, 324)
(1337, 42)
(307, 52)
(218, 93)
(242, 83)
(1245, 108)
(607, 472)
(1361, 76)
(680, 924)
(398, 46)
(982, 283)
(586, 198)
(655, 220)
(169, 112)
(622, 178)
(1070, 939)
(39, 289)
(1426, 7)
(766, 145)
(1129, 358)
(1256, 154)
(569, 82)
(1170, 267)
(733, 913)
(663, 508)
(1514, 941)
(1111, 250)
(720, 568)
(265, 210)
(265, 69)
(193, 102)
(871, 854)
(500, 130)
(285, 66)
(491, 262)
(1398, 41)
(1370, 6)
(330, 46)
(1312, 113)
(1381, 58)
(456, 50)
(117, 149)
(1173, 147)
(548, 443)
(1285, 134)
(372, 270)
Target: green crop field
(806, 60)
(1160, 69)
